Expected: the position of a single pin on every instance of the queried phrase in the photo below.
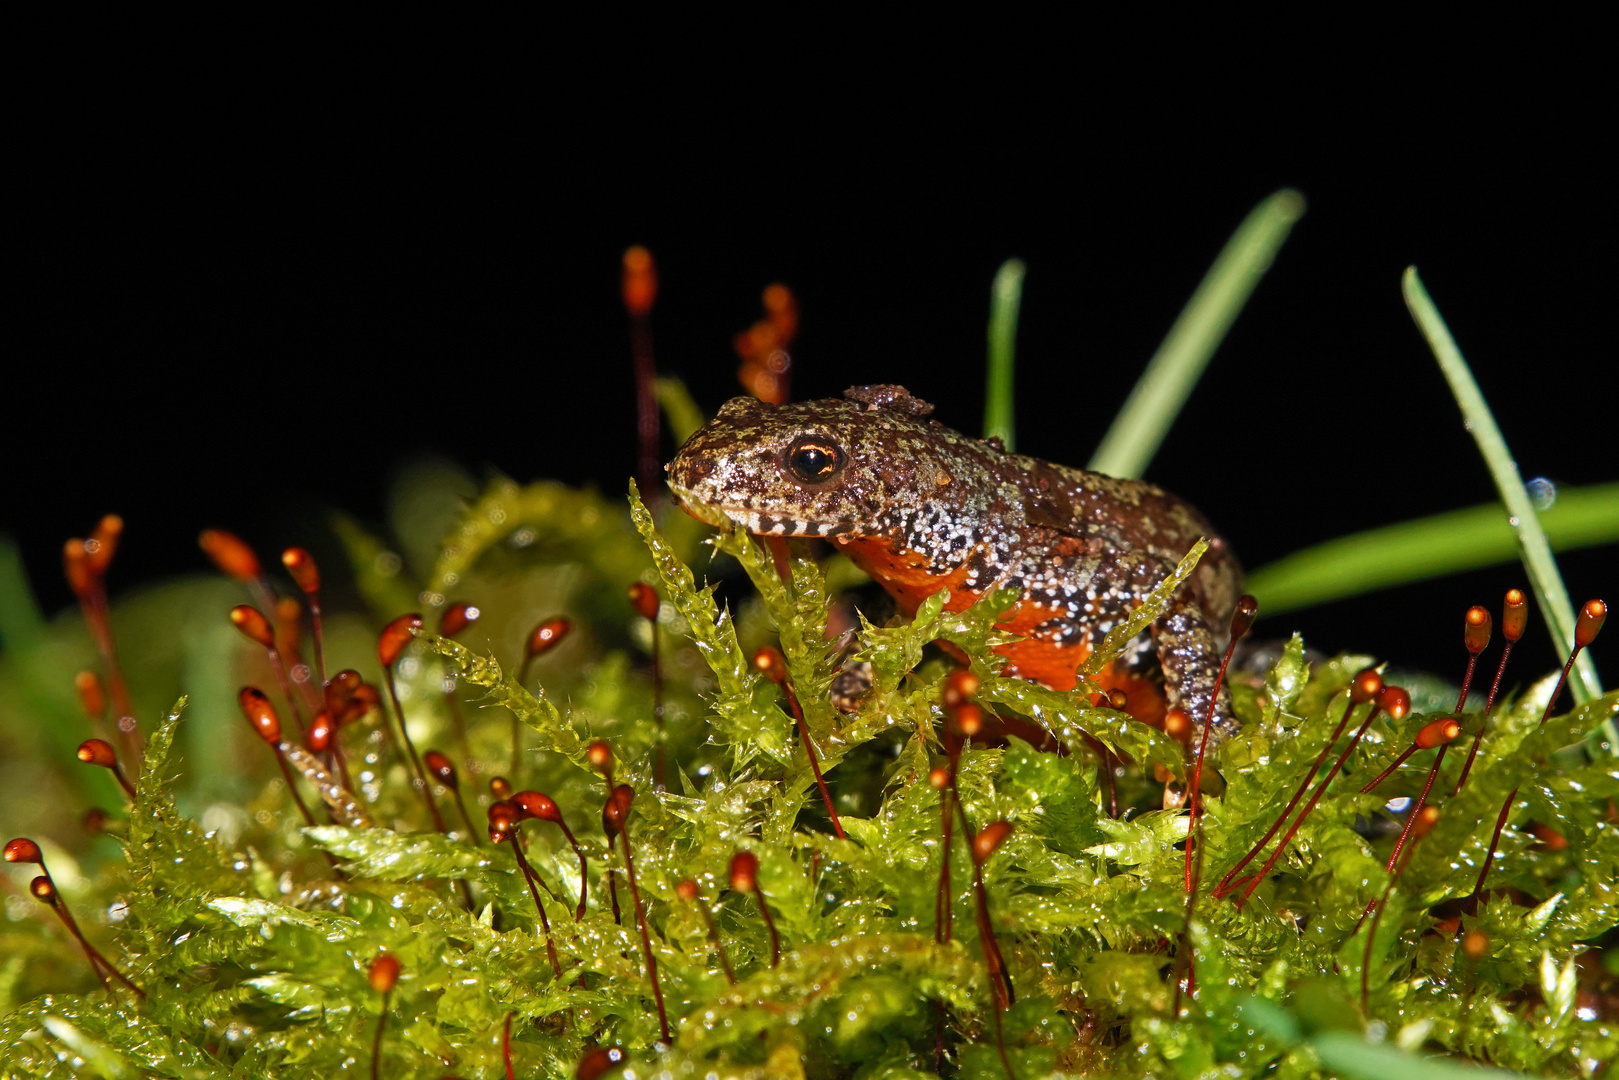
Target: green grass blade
(1005, 297)
(1532, 544)
(1174, 369)
(22, 624)
(1352, 1056)
(1428, 547)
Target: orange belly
(904, 575)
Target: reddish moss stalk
(503, 823)
(539, 805)
(617, 811)
(600, 756)
(383, 974)
(1427, 818)
(1397, 703)
(944, 781)
(745, 878)
(1241, 620)
(85, 563)
(1365, 687)
(687, 891)
(24, 850)
(394, 638)
(1514, 618)
(982, 845)
(640, 286)
(646, 602)
(443, 770)
(1428, 737)
(1586, 627)
(774, 667)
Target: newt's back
(924, 508)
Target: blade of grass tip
(22, 624)
(1428, 547)
(1174, 369)
(1536, 552)
(1005, 298)
(680, 412)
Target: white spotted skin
(1084, 546)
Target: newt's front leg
(1191, 656)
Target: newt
(923, 508)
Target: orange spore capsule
(95, 820)
(1475, 943)
(1514, 615)
(1437, 734)
(1589, 623)
(599, 754)
(960, 685)
(260, 713)
(500, 787)
(230, 553)
(1550, 837)
(640, 281)
(1242, 620)
(989, 838)
(969, 719)
(456, 618)
(301, 565)
(939, 777)
(23, 850)
(383, 973)
(744, 871)
(43, 889)
(503, 815)
(98, 752)
(289, 625)
(103, 543)
(1177, 725)
(92, 695)
(686, 890)
(1476, 629)
(771, 664)
(321, 730)
(617, 810)
(1367, 684)
(1395, 701)
(341, 688)
(598, 1061)
(1427, 818)
(253, 625)
(76, 566)
(395, 636)
(547, 635)
(365, 700)
(535, 804)
(644, 599)
(442, 768)
(781, 311)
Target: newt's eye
(814, 459)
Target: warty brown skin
(921, 508)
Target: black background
(251, 287)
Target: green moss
(253, 949)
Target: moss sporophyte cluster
(262, 946)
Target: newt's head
(845, 467)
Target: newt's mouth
(756, 521)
